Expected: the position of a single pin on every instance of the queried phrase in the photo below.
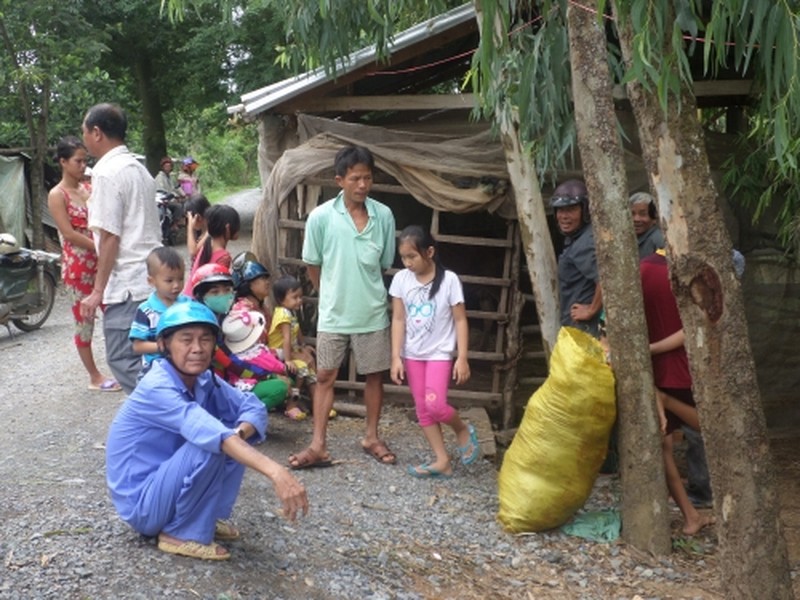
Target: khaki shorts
(372, 351)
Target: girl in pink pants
(429, 324)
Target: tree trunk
(536, 242)
(154, 137)
(753, 559)
(644, 497)
(535, 234)
(38, 193)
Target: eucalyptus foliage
(324, 32)
(525, 68)
(761, 40)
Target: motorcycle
(28, 280)
(168, 208)
(165, 218)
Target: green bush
(227, 151)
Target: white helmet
(8, 244)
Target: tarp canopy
(445, 172)
(12, 202)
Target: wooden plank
(710, 88)
(474, 241)
(478, 398)
(399, 102)
(389, 188)
(487, 315)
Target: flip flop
(427, 472)
(194, 549)
(109, 385)
(471, 451)
(309, 459)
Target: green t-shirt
(352, 295)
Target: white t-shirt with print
(430, 328)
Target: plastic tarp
(549, 469)
(450, 173)
(12, 203)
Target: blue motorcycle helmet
(184, 314)
(246, 271)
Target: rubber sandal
(308, 459)
(109, 385)
(472, 450)
(380, 451)
(225, 531)
(194, 550)
(427, 472)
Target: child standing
(165, 272)
(196, 230)
(223, 225)
(429, 322)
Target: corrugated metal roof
(267, 97)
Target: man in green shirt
(349, 242)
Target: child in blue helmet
(252, 282)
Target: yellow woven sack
(549, 469)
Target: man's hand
(291, 493)
(581, 312)
(90, 304)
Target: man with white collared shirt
(124, 219)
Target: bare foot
(695, 525)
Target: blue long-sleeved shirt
(161, 415)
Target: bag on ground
(549, 469)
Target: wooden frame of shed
(394, 97)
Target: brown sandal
(309, 459)
(380, 452)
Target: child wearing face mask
(212, 284)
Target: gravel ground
(373, 532)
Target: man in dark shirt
(579, 287)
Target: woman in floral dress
(67, 203)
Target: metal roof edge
(260, 100)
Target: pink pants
(429, 381)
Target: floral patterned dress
(78, 265)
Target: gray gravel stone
(373, 532)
